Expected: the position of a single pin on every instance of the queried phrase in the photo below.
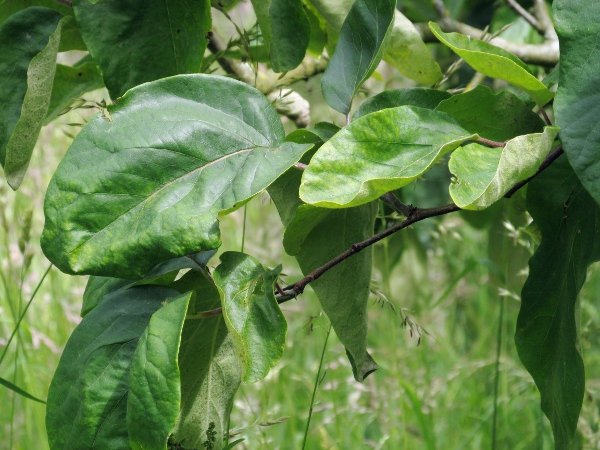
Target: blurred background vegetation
(442, 317)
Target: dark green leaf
(210, 372)
(13, 387)
(421, 97)
(408, 53)
(154, 393)
(315, 236)
(494, 62)
(71, 83)
(548, 334)
(143, 40)
(378, 153)
(147, 185)
(99, 289)
(358, 51)
(28, 44)
(577, 105)
(498, 117)
(290, 30)
(87, 400)
(251, 312)
(70, 37)
(483, 175)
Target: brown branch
(552, 156)
(490, 142)
(392, 201)
(516, 6)
(546, 54)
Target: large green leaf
(251, 312)
(577, 104)
(548, 334)
(210, 372)
(70, 37)
(378, 153)
(28, 44)
(408, 53)
(147, 184)
(143, 40)
(494, 62)
(71, 83)
(154, 393)
(358, 51)
(315, 236)
(87, 400)
(421, 97)
(483, 175)
(290, 30)
(498, 117)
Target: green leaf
(99, 289)
(317, 235)
(70, 37)
(71, 83)
(484, 175)
(576, 107)
(28, 44)
(408, 53)
(358, 51)
(87, 400)
(154, 388)
(210, 372)
(421, 97)
(143, 40)
(548, 335)
(251, 312)
(290, 30)
(498, 117)
(13, 387)
(147, 185)
(494, 62)
(378, 153)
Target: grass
(436, 395)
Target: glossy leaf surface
(408, 53)
(147, 185)
(378, 153)
(290, 30)
(483, 175)
(494, 62)
(87, 400)
(358, 52)
(143, 40)
(498, 117)
(421, 97)
(577, 105)
(28, 44)
(548, 335)
(154, 395)
(210, 372)
(251, 312)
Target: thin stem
(552, 156)
(497, 373)
(491, 143)
(244, 228)
(392, 201)
(314, 393)
(545, 116)
(300, 166)
(24, 312)
(526, 15)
